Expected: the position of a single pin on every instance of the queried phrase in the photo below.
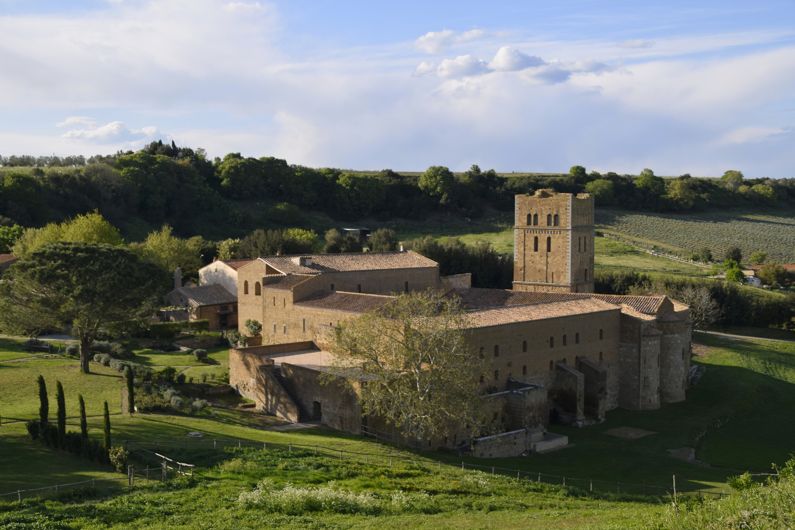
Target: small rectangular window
(359, 288)
(285, 329)
(551, 342)
(303, 324)
(406, 286)
(576, 338)
(496, 350)
(331, 287)
(524, 346)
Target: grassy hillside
(732, 418)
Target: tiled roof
(237, 263)
(523, 313)
(486, 298)
(286, 282)
(344, 301)
(202, 295)
(359, 261)
(476, 298)
(648, 305)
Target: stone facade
(553, 242)
(552, 348)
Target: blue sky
(676, 86)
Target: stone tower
(553, 242)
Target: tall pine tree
(107, 427)
(61, 400)
(44, 402)
(83, 422)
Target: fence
(581, 484)
(94, 483)
(587, 486)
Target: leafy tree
(106, 426)
(129, 378)
(88, 228)
(438, 182)
(359, 195)
(83, 423)
(275, 242)
(704, 255)
(253, 327)
(603, 191)
(650, 187)
(758, 257)
(734, 254)
(733, 271)
(9, 236)
(578, 172)
(242, 178)
(61, 401)
(732, 179)
(335, 242)
(764, 192)
(85, 286)
(772, 274)
(44, 402)
(228, 249)
(418, 370)
(170, 252)
(682, 193)
(382, 240)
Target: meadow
(732, 418)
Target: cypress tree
(107, 426)
(129, 375)
(44, 402)
(83, 422)
(61, 400)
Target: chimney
(177, 278)
(303, 261)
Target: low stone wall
(512, 443)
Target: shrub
(119, 456)
(180, 379)
(741, 482)
(199, 404)
(73, 350)
(104, 359)
(167, 374)
(169, 330)
(201, 355)
(101, 346)
(177, 402)
(34, 428)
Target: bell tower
(553, 238)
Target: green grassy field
(733, 418)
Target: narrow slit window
(245, 287)
(549, 244)
(549, 219)
(524, 346)
(496, 350)
(535, 244)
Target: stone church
(555, 350)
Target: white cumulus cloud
(462, 66)
(745, 135)
(111, 132)
(508, 59)
(437, 41)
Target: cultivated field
(771, 232)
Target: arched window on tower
(549, 219)
(535, 219)
(549, 244)
(257, 289)
(535, 244)
(529, 219)
(245, 287)
(555, 220)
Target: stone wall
(595, 388)
(334, 397)
(219, 273)
(567, 392)
(553, 242)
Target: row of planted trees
(80, 444)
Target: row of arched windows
(552, 219)
(535, 244)
(257, 288)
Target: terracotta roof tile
(359, 261)
(345, 301)
(202, 295)
(524, 313)
(237, 263)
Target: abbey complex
(554, 348)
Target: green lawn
(734, 417)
